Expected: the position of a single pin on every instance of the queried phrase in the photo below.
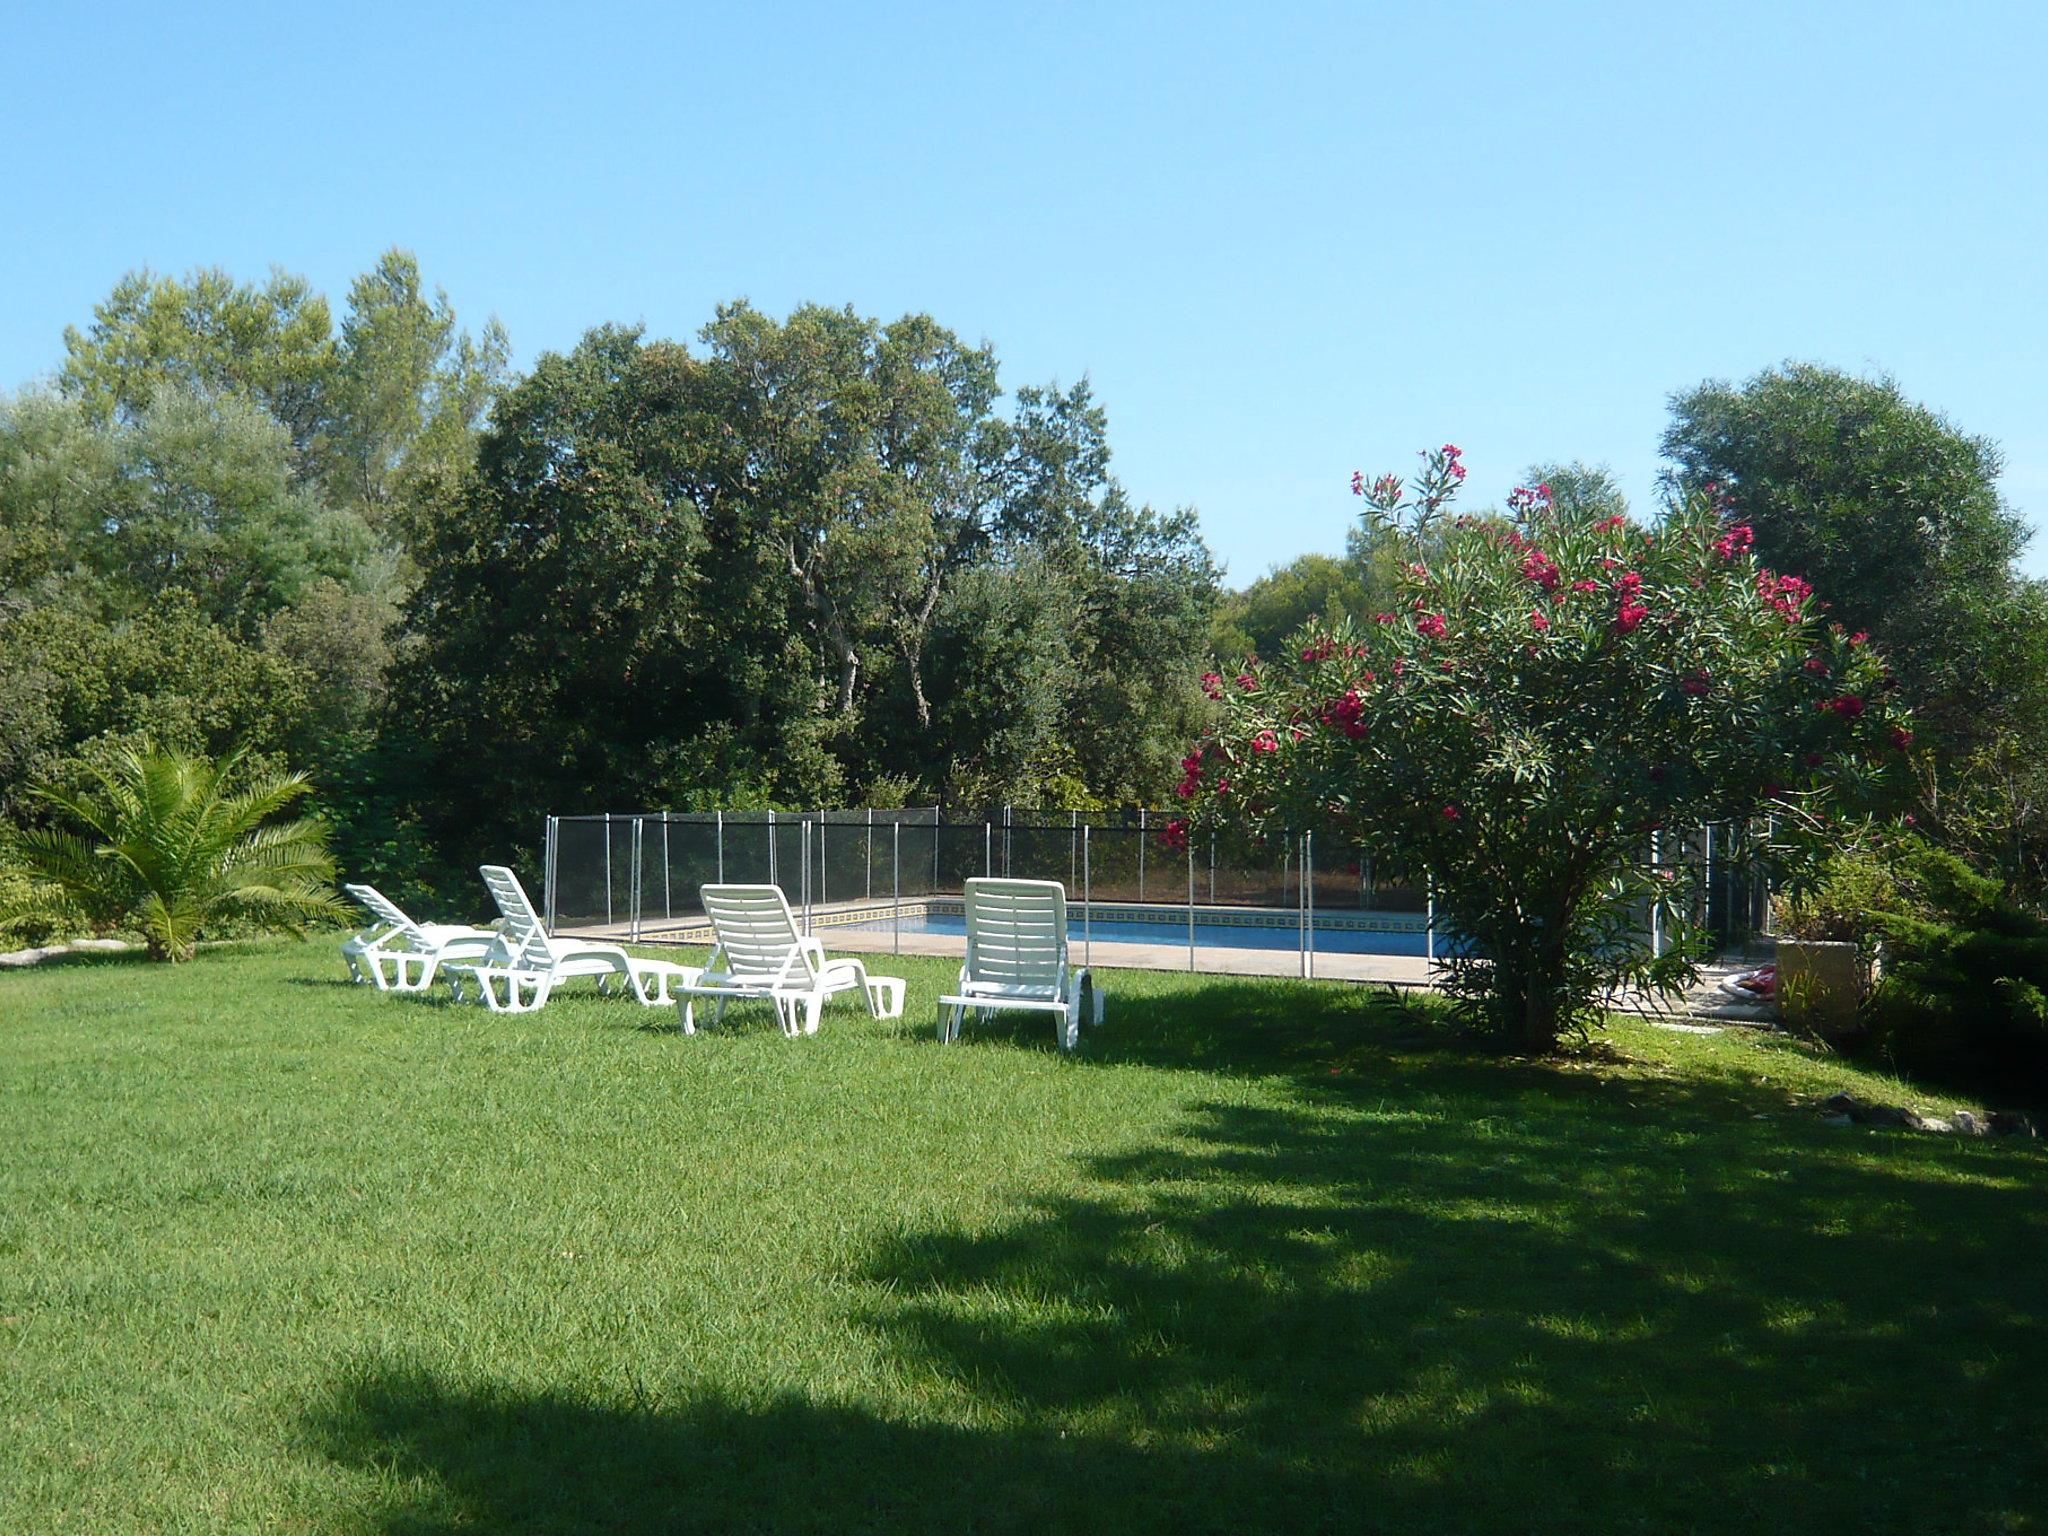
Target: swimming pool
(1211, 932)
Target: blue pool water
(1329, 940)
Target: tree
(602, 620)
(209, 334)
(1547, 693)
(409, 388)
(77, 688)
(1888, 508)
(863, 461)
(175, 847)
(1259, 619)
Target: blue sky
(1284, 241)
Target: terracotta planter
(1821, 983)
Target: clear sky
(1284, 241)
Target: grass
(281, 1255)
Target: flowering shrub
(1554, 689)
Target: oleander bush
(1553, 690)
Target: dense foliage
(1550, 690)
(175, 848)
(1894, 513)
(811, 559)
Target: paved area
(1704, 1006)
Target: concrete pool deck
(842, 926)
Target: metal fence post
(1087, 901)
(1429, 928)
(1141, 853)
(868, 864)
(896, 883)
(803, 843)
(718, 836)
(1308, 904)
(1656, 904)
(1191, 904)
(550, 841)
(633, 903)
(771, 850)
(668, 905)
(607, 869)
(988, 846)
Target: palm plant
(172, 845)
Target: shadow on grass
(1444, 1294)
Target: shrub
(172, 847)
(1964, 993)
(1554, 687)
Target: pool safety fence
(636, 876)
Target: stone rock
(1881, 1114)
(1968, 1124)
(1920, 1122)
(2009, 1122)
(1839, 1104)
(1838, 1121)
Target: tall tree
(409, 387)
(208, 333)
(1891, 511)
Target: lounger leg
(812, 1006)
(689, 1021)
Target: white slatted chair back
(523, 942)
(1017, 935)
(385, 910)
(757, 934)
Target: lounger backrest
(523, 941)
(1017, 932)
(382, 908)
(756, 933)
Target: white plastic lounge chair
(760, 954)
(1017, 958)
(396, 954)
(526, 963)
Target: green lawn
(278, 1254)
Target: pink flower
(1901, 737)
(1696, 684)
(1431, 624)
(1538, 622)
(1861, 636)
(1248, 681)
(1541, 569)
(1816, 665)
(1848, 706)
(1737, 539)
(1629, 583)
(1383, 618)
(1358, 482)
(1265, 741)
(1608, 524)
(1174, 834)
(1451, 813)
(1630, 616)
(1814, 759)
(1585, 586)
(1212, 684)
